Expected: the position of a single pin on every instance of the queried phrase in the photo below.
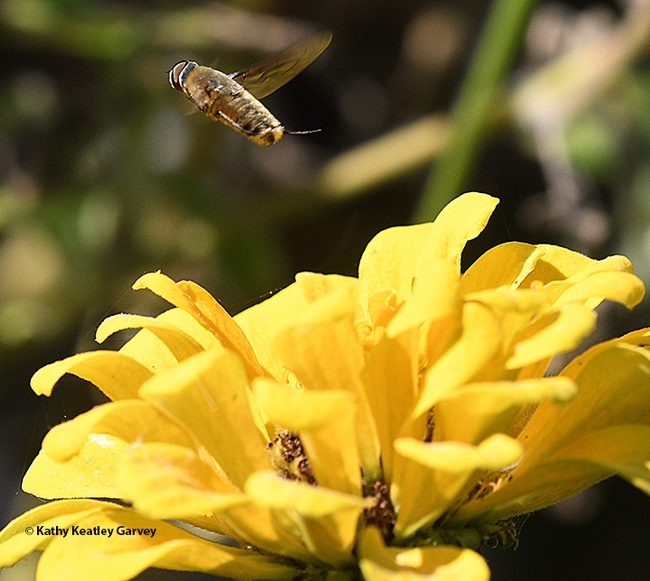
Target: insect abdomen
(224, 99)
(236, 107)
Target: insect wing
(269, 75)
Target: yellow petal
(396, 256)
(168, 481)
(559, 264)
(613, 381)
(262, 322)
(381, 308)
(313, 285)
(273, 491)
(435, 295)
(573, 324)
(478, 343)
(328, 518)
(494, 453)
(185, 322)
(463, 219)
(325, 423)
(146, 348)
(323, 350)
(443, 563)
(129, 420)
(624, 449)
(504, 266)
(88, 474)
(390, 259)
(207, 311)
(622, 287)
(277, 532)
(300, 410)
(208, 394)
(390, 378)
(561, 270)
(158, 544)
(514, 309)
(478, 410)
(505, 301)
(117, 375)
(177, 341)
(435, 473)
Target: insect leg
(262, 133)
(232, 123)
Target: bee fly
(233, 99)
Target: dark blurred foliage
(104, 176)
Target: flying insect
(234, 99)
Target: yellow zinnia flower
(384, 426)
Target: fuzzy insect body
(233, 98)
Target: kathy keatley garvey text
(77, 530)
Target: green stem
(495, 52)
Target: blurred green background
(104, 175)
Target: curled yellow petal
(494, 453)
(560, 264)
(180, 344)
(612, 380)
(129, 420)
(491, 407)
(573, 324)
(116, 374)
(463, 219)
(622, 287)
(207, 311)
